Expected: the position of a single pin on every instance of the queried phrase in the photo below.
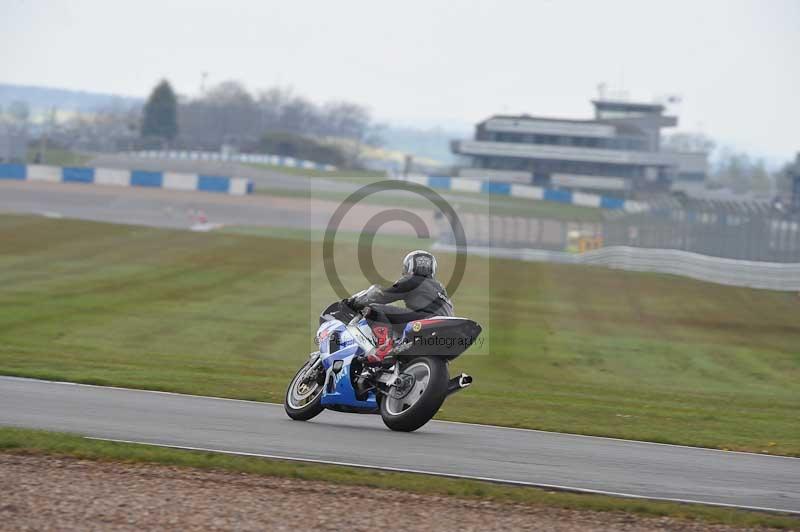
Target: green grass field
(461, 201)
(355, 175)
(575, 349)
(60, 157)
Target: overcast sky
(430, 62)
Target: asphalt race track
(509, 455)
(183, 209)
(151, 207)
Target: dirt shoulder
(57, 493)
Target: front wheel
(419, 395)
(304, 395)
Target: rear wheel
(304, 396)
(418, 396)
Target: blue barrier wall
(529, 192)
(561, 196)
(77, 175)
(491, 187)
(12, 171)
(125, 178)
(213, 183)
(142, 178)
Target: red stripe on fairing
(430, 321)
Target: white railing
(764, 275)
(259, 158)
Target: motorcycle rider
(422, 294)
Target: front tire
(303, 401)
(422, 401)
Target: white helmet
(419, 262)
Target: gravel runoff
(56, 493)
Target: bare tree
(783, 177)
(225, 114)
(688, 142)
(742, 174)
(19, 113)
(228, 114)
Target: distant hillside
(40, 98)
(425, 143)
(429, 143)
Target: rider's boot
(384, 343)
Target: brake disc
(402, 386)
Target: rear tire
(300, 404)
(425, 399)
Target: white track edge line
(161, 392)
(622, 440)
(449, 475)
(496, 427)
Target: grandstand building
(616, 154)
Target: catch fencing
(518, 231)
(742, 231)
(749, 231)
(258, 158)
(751, 274)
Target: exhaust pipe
(458, 383)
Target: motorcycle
(406, 390)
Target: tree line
(280, 121)
(275, 120)
(731, 168)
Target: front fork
(315, 359)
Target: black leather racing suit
(423, 296)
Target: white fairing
(362, 334)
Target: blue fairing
(343, 393)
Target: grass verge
(461, 201)
(59, 444)
(318, 235)
(573, 349)
(59, 157)
(364, 176)
(500, 204)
